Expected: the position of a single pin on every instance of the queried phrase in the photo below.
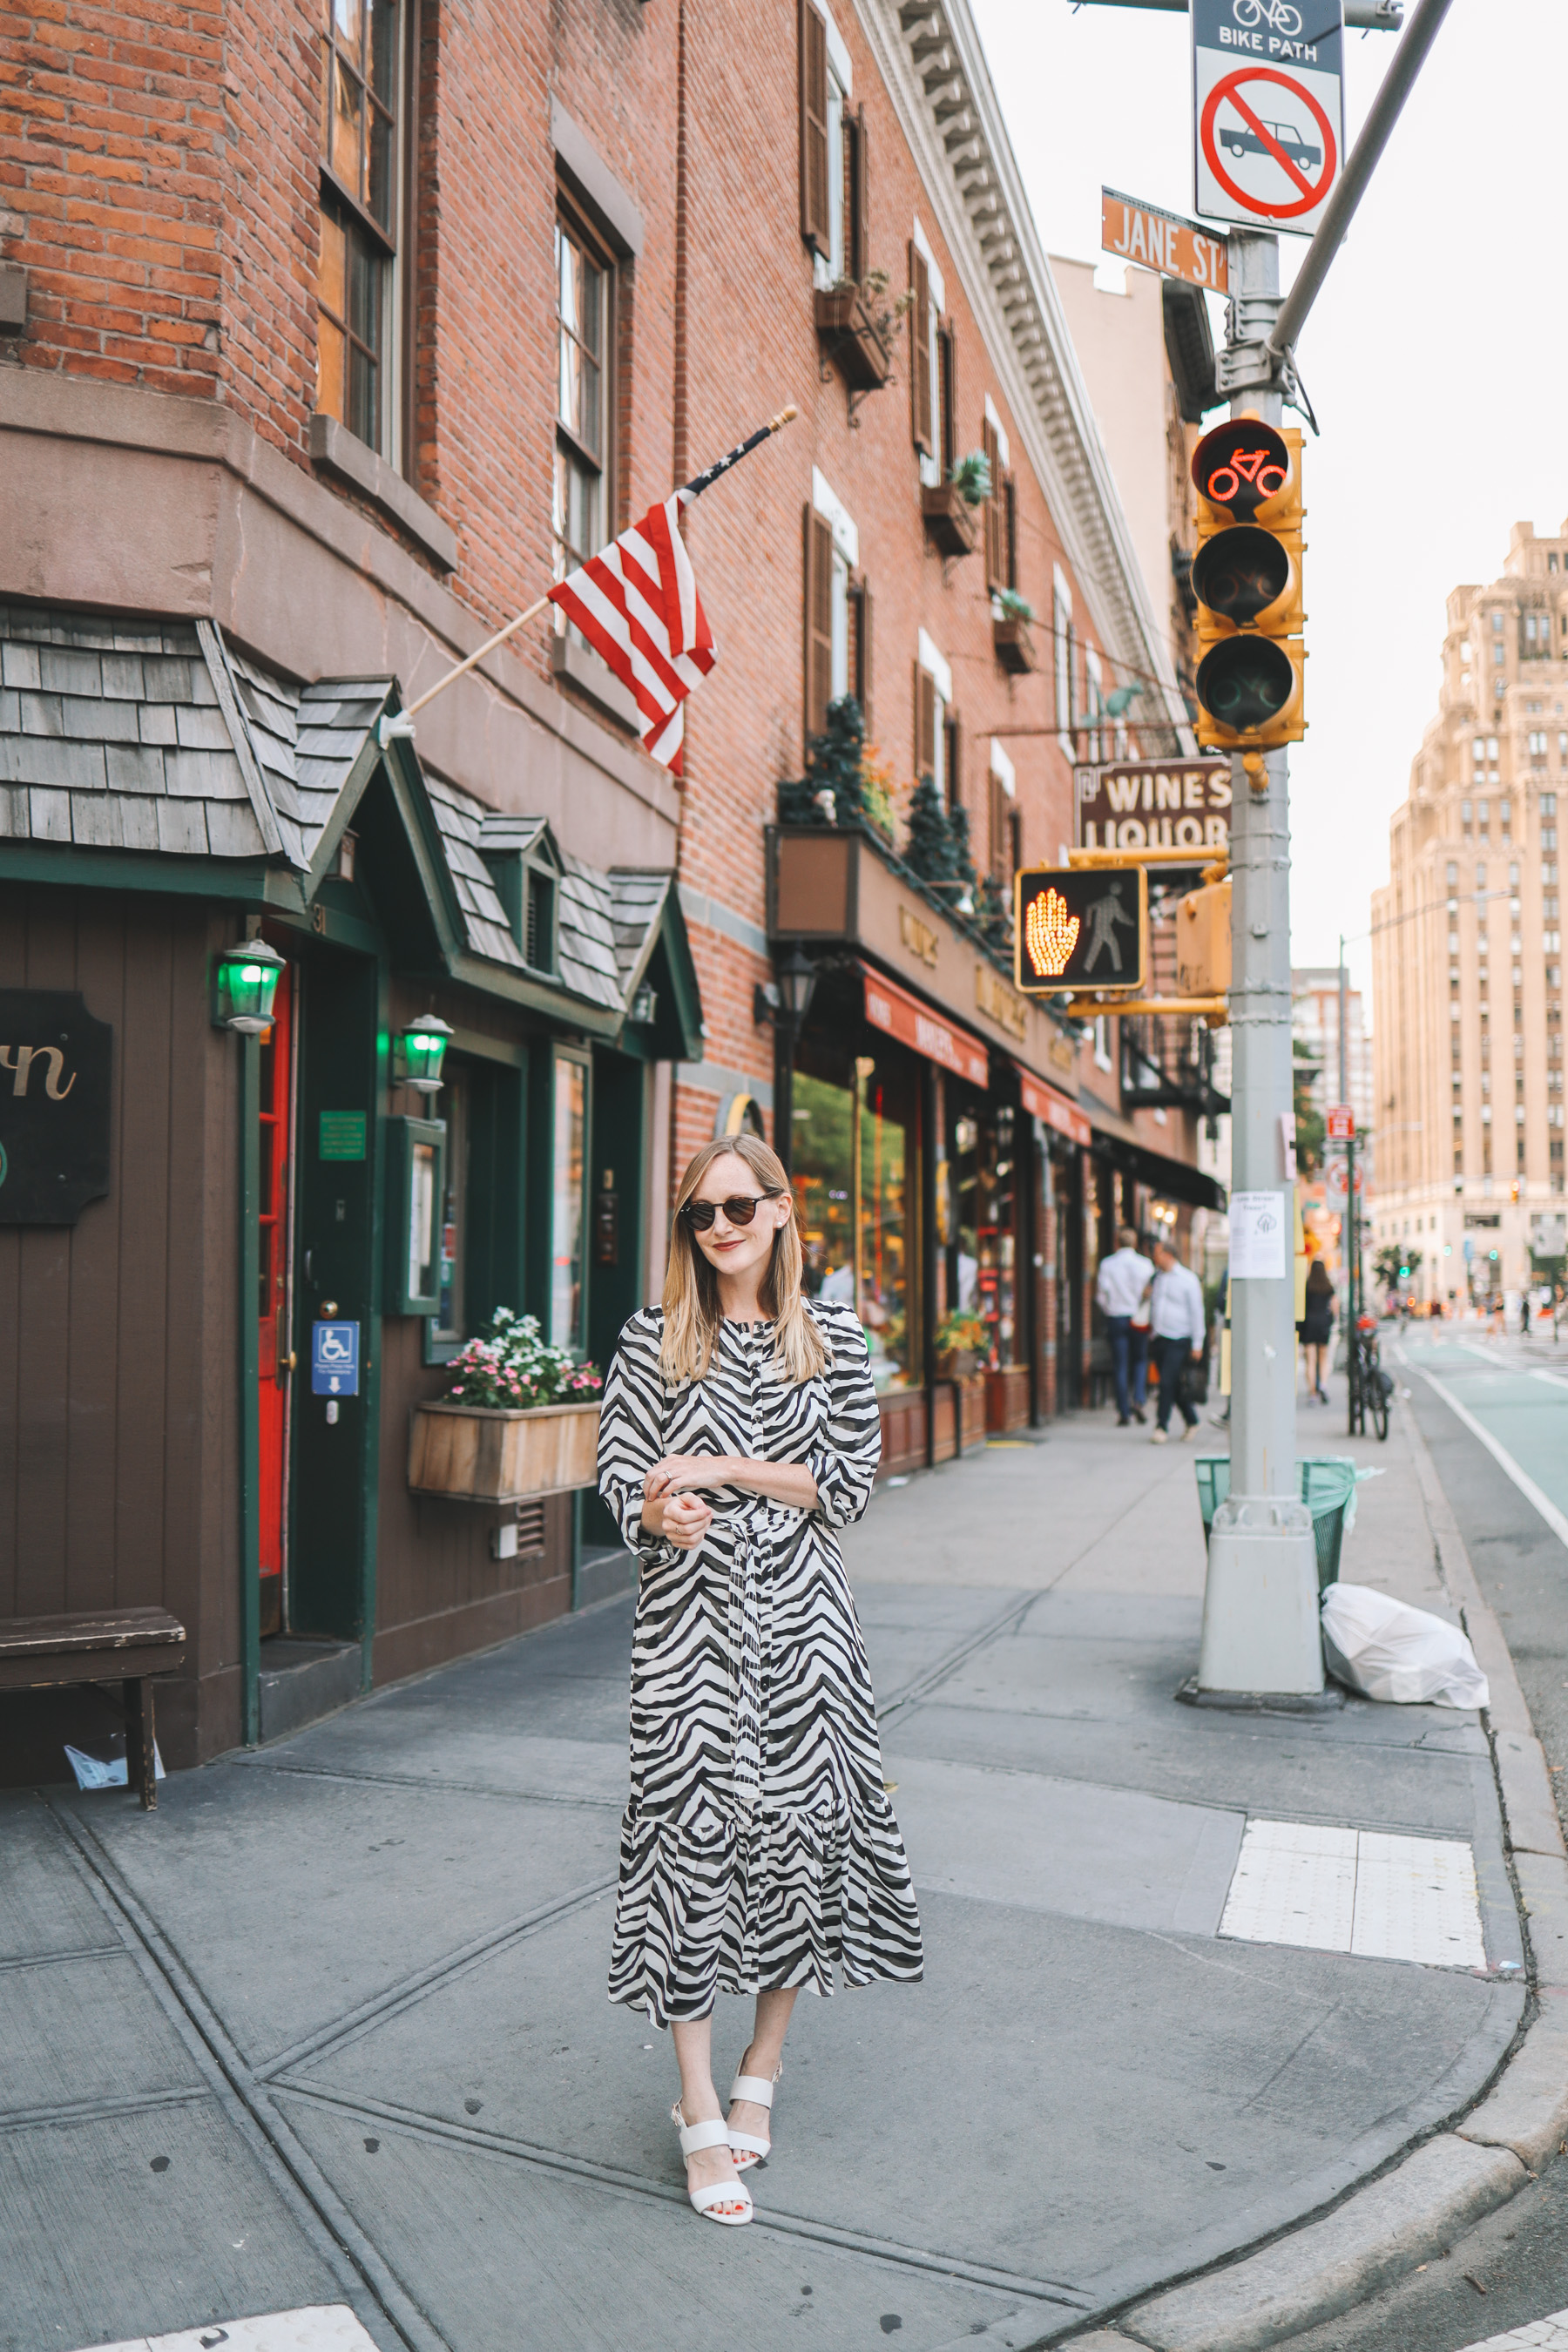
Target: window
(1103, 1041)
(359, 199)
(1094, 701)
(1483, 815)
(1497, 624)
(584, 283)
(838, 611)
(853, 1177)
(1453, 875)
(1062, 650)
(1001, 508)
(1005, 830)
(566, 1219)
(447, 1321)
(933, 360)
(936, 729)
(539, 918)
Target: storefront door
(274, 1357)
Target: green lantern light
(418, 1053)
(245, 982)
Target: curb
(1381, 2230)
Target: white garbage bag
(1386, 1650)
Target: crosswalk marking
(1549, 2335)
(318, 2327)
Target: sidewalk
(331, 2027)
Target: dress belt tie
(746, 1669)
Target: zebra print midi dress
(758, 1846)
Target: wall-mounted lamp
(245, 982)
(645, 1005)
(419, 1052)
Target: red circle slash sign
(1312, 193)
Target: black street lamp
(787, 1006)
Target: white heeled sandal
(747, 2149)
(713, 2194)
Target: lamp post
(797, 979)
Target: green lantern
(245, 982)
(418, 1053)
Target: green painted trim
(499, 981)
(249, 1392)
(684, 983)
(370, 1420)
(238, 882)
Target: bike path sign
(1269, 102)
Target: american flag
(636, 603)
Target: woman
(739, 1430)
(1316, 1327)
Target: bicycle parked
(1371, 1387)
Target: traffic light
(1247, 576)
(1079, 928)
(1203, 940)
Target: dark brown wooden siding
(119, 1471)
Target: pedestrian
(1176, 1320)
(739, 1432)
(1317, 1326)
(1121, 1287)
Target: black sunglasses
(739, 1209)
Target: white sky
(1435, 357)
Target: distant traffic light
(1247, 576)
(1079, 928)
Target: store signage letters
(997, 1002)
(1154, 805)
(919, 937)
(55, 1066)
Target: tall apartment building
(1315, 1024)
(335, 334)
(1467, 969)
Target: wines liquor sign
(54, 1064)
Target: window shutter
(925, 722)
(1000, 813)
(818, 623)
(860, 677)
(947, 360)
(919, 352)
(813, 221)
(1010, 530)
(954, 763)
(1014, 844)
(857, 157)
(995, 576)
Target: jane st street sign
(1161, 241)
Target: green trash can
(1328, 1485)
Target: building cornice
(932, 60)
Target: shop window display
(981, 1224)
(854, 1177)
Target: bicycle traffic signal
(1247, 576)
(1079, 928)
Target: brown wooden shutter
(995, 556)
(925, 722)
(947, 361)
(857, 140)
(1014, 844)
(814, 215)
(919, 352)
(954, 746)
(818, 623)
(861, 676)
(998, 843)
(1010, 530)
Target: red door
(274, 1354)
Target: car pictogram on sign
(1275, 138)
(1296, 176)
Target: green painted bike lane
(1519, 1404)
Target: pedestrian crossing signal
(1247, 577)
(1080, 929)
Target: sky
(1436, 358)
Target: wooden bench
(124, 1645)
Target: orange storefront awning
(1044, 1102)
(889, 1008)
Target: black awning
(1176, 1179)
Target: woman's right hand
(681, 1519)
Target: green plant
(995, 916)
(512, 1366)
(928, 853)
(971, 477)
(833, 772)
(1014, 607)
(960, 1330)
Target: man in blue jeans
(1120, 1287)
(1176, 1323)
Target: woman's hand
(681, 1519)
(680, 1474)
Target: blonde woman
(740, 1430)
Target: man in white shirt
(1176, 1322)
(1121, 1287)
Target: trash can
(1327, 1488)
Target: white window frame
(931, 466)
(827, 502)
(1062, 644)
(827, 268)
(937, 669)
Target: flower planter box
(1007, 1398)
(956, 1363)
(1013, 645)
(950, 520)
(477, 1453)
(850, 337)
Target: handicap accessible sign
(335, 1360)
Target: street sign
(1336, 1178)
(1154, 805)
(1163, 241)
(1269, 98)
(1081, 928)
(1342, 1123)
(335, 1360)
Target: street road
(1513, 2269)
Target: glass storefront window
(449, 1323)
(566, 1233)
(854, 1185)
(982, 1223)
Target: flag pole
(401, 725)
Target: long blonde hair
(691, 1309)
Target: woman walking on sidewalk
(1317, 1326)
(739, 1430)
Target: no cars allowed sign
(1269, 99)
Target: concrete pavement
(329, 2026)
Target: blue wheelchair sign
(335, 1360)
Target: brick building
(1467, 948)
(334, 333)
